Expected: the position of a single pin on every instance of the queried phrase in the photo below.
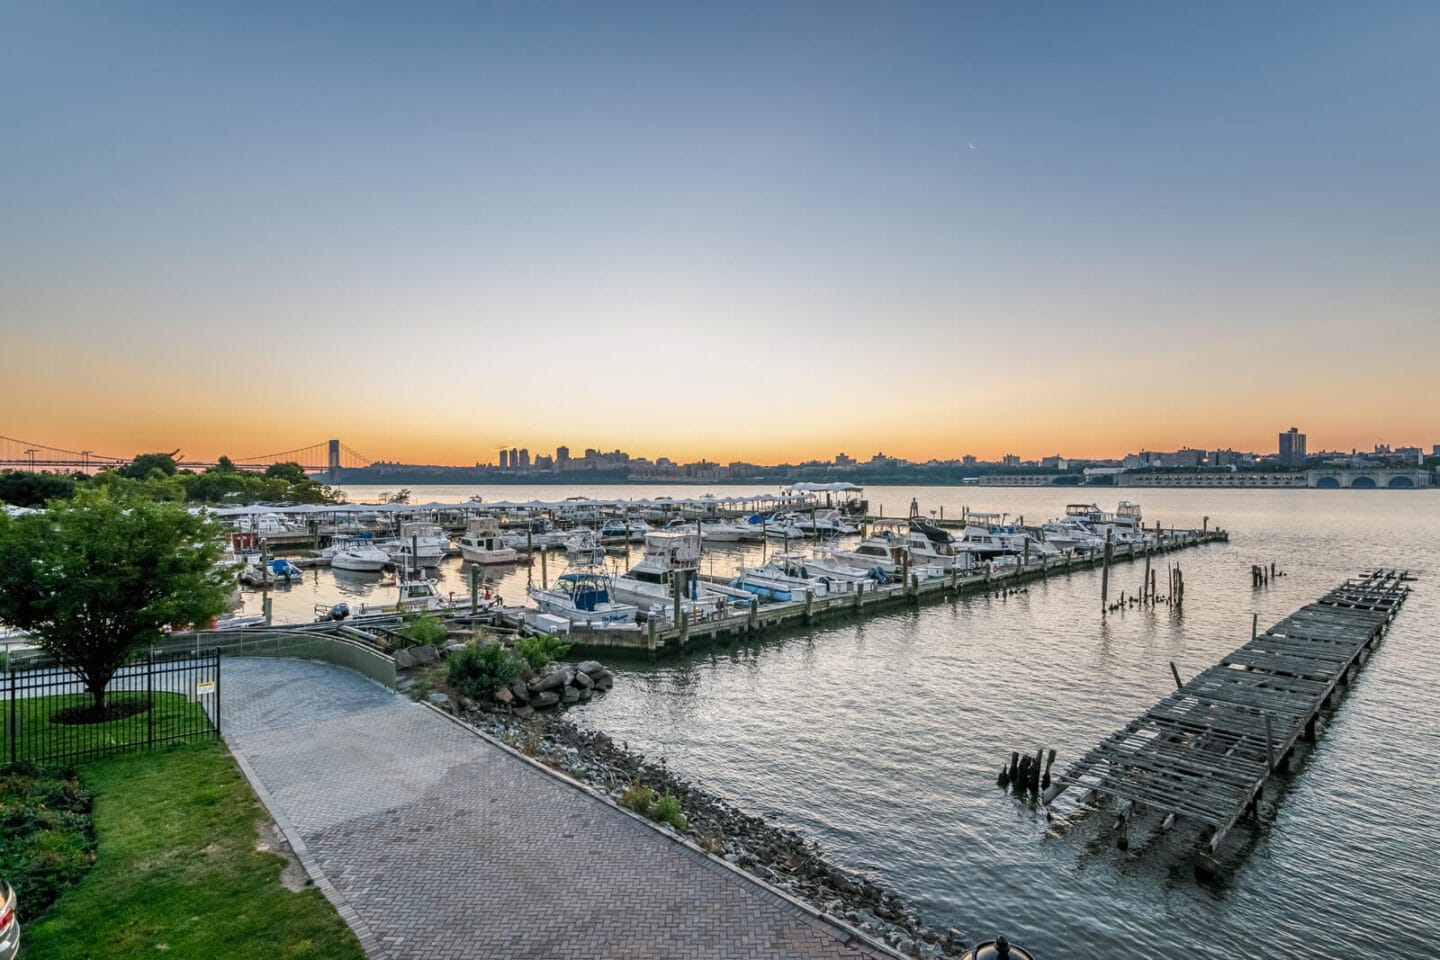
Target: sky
(762, 231)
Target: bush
(541, 651)
(47, 841)
(420, 629)
(478, 670)
(638, 797)
(667, 810)
(663, 809)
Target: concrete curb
(824, 922)
(368, 941)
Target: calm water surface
(881, 739)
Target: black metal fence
(50, 717)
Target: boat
(583, 596)
(419, 595)
(782, 526)
(886, 549)
(825, 524)
(361, 556)
(481, 542)
(256, 573)
(783, 577)
(934, 546)
(583, 547)
(624, 530)
(671, 558)
(418, 545)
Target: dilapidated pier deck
(1206, 751)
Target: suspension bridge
(327, 457)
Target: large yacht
(481, 543)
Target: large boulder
(550, 680)
(424, 654)
(581, 681)
(571, 695)
(590, 667)
(605, 681)
(503, 695)
(585, 694)
(520, 691)
(403, 660)
(544, 698)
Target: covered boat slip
(1206, 750)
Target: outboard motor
(997, 949)
(340, 611)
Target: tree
(289, 471)
(23, 488)
(93, 578)
(223, 465)
(140, 467)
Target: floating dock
(655, 638)
(1206, 751)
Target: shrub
(420, 629)
(542, 650)
(663, 809)
(638, 797)
(667, 810)
(47, 841)
(478, 670)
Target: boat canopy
(838, 487)
(486, 506)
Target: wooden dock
(1206, 751)
(868, 597)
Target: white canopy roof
(491, 505)
(837, 487)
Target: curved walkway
(437, 844)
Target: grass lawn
(178, 872)
(41, 740)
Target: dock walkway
(1206, 750)
(869, 597)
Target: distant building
(968, 460)
(562, 458)
(1055, 463)
(514, 459)
(524, 459)
(843, 461)
(1009, 460)
(504, 459)
(1292, 448)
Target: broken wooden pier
(1205, 752)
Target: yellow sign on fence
(202, 687)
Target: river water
(881, 739)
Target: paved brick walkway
(441, 845)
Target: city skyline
(761, 235)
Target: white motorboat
(419, 595)
(784, 577)
(885, 549)
(583, 547)
(583, 596)
(825, 524)
(418, 545)
(671, 558)
(782, 526)
(481, 542)
(624, 530)
(361, 556)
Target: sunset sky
(767, 231)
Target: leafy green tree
(289, 471)
(140, 467)
(223, 465)
(93, 578)
(24, 488)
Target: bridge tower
(333, 465)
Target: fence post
(217, 693)
(14, 716)
(150, 698)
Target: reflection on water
(881, 738)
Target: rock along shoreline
(779, 856)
